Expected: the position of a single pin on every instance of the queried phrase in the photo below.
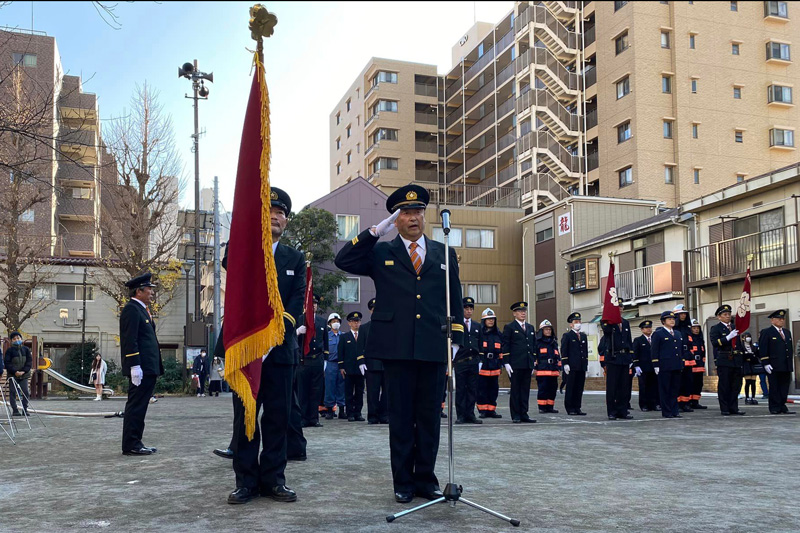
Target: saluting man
(466, 367)
(141, 361)
(668, 360)
(645, 371)
(352, 365)
(519, 348)
(375, 379)
(777, 353)
(729, 361)
(575, 362)
(406, 332)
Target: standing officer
(668, 360)
(466, 367)
(352, 365)
(645, 371)
(729, 361)
(406, 332)
(141, 361)
(775, 347)
(575, 362)
(334, 383)
(547, 367)
(310, 373)
(264, 473)
(375, 379)
(519, 345)
(696, 346)
(490, 365)
(618, 348)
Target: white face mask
(335, 326)
(576, 327)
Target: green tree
(314, 230)
(74, 371)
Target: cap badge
(273, 195)
(411, 195)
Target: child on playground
(98, 375)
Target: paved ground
(701, 473)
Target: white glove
(566, 369)
(455, 349)
(732, 334)
(301, 330)
(363, 368)
(533, 372)
(638, 371)
(768, 368)
(324, 366)
(480, 365)
(136, 375)
(509, 370)
(385, 226)
(656, 371)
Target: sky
(314, 56)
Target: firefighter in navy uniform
(684, 325)
(375, 379)
(729, 361)
(310, 373)
(406, 333)
(643, 362)
(519, 345)
(547, 366)
(668, 356)
(618, 352)
(696, 347)
(491, 345)
(575, 363)
(466, 367)
(775, 346)
(352, 365)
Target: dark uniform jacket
(776, 351)
(724, 354)
(291, 267)
(18, 359)
(350, 352)
(138, 342)
(200, 365)
(749, 360)
(620, 340)
(373, 364)
(547, 362)
(410, 309)
(470, 351)
(575, 351)
(491, 351)
(519, 346)
(642, 354)
(695, 350)
(319, 344)
(667, 350)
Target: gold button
(418, 296)
(418, 317)
(418, 278)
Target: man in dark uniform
(519, 349)
(696, 348)
(375, 379)
(618, 351)
(729, 361)
(352, 365)
(310, 373)
(466, 367)
(668, 360)
(141, 361)
(264, 473)
(575, 361)
(777, 353)
(643, 363)
(406, 332)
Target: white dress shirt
(420, 247)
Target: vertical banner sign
(564, 223)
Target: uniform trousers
(354, 393)
(466, 389)
(376, 396)
(778, 390)
(520, 393)
(617, 393)
(310, 378)
(669, 384)
(648, 391)
(728, 387)
(264, 469)
(687, 382)
(576, 379)
(135, 411)
(547, 387)
(414, 393)
(697, 385)
(295, 440)
(488, 388)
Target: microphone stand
(452, 491)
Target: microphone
(445, 214)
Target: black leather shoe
(686, 409)
(740, 413)
(528, 420)
(698, 406)
(516, 420)
(612, 417)
(644, 410)
(152, 450)
(580, 413)
(626, 417)
(460, 420)
(403, 497)
(386, 420)
(495, 414)
(242, 495)
(329, 416)
(543, 411)
(227, 453)
(726, 414)
(474, 420)
(16, 413)
(444, 415)
(280, 493)
(788, 412)
(430, 495)
(482, 414)
(359, 418)
(297, 458)
(138, 451)
(351, 419)
(678, 416)
(776, 412)
(316, 424)
(553, 410)
(342, 415)
(372, 422)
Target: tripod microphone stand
(452, 491)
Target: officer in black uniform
(519, 348)
(352, 365)
(668, 352)
(466, 367)
(406, 332)
(777, 354)
(141, 361)
(696, 349)
(375, 379)
(645, 371)
(264, 473)
(618, 351)
(729, 361)
(310, 373)
(575, 362)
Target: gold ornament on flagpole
(262, 24)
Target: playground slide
(66, 381)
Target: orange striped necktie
(415, 259)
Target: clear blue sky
(317, 51)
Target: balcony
(475, 195)
(75, 245)
(455, 116)
(480, 126)
(455, 173)
(479, 65)
(489, 152)
(591, 77)
(482, 93)
(542, 188)
(423, 89)
(372, 119)
(425, 118)
(655, 282)
(372, 147)
(428, 175)
(771, 252)
(428, 147)
(453, 89)
(76, 209)
(455, 145)
(73, 173)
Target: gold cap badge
(411, 195)
(273, 195)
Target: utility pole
(196, 88)
(83, 324)
(217, 258)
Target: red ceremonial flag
(742, 318)
(611, 311)
(311, 330)
(253, 307)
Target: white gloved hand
(638, 371)
(324, 366)
(480, 365)
(363, 368)
(768, 368)
(301, 330)
(656, 371)
(533, 372)
(455, 349)
(566, 369)
(509, 370)
(732, 334)
(136, 375)
(385, 226)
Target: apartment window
(384, 134)
(737, 93)
(621, 43)
(482, 293)
(358, 148)
(480, 238)
(697, 176)
(348, 131)
(73, 292)
(544, 235)
(776, 9)
(455, 236)
(27, 216)
(338, 118)
(664, 39)
(625, 177)
(384, 77)
(740, 177)
(389, 163)
(669, 175)
(349, 291)
(41, 293)
(623, 132)
(545, 287)
(338, 142)
(348, 226)
(735, 49)
(692, 42)
(666, 84)
(738, 136)
(779, 93)
(349, 157)
(347, 104)
(83, 193)
(779, 51)
(26, 60)
(385, 105)
(695, 131)
(619, 5)
(480, 50)
(623, 87)
(667, 129)
(781, 137)
(694, 86)
(734, 6)
(338, 168)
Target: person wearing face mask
(18, 362)
(575, 362)
(668, 356)
(643, 363)
(697, 350)
(750, 375)
(491, 349)
(200, 369)
(547, 367)
(334, 382)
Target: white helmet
(334, 315)
(545, 324)
(488, 313)
(679, 309)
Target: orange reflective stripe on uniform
(547, 373)
(695, 396)
(684, 398)
(541, 402)
(689, 362)
(486, 407)
(489, 372)
(698, 369)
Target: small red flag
(311, 330)
(742, 318)
(611, 311)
